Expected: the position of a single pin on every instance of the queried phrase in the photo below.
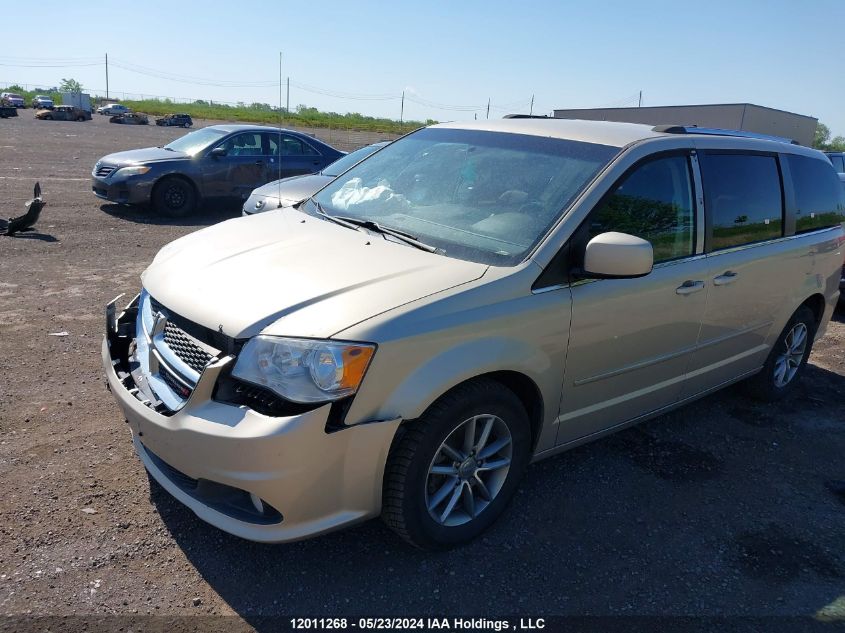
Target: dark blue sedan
(219, 161)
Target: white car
(112, 109)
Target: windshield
(345, 162)
(483, 196)
(196, 141)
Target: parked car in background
(112, 109)
(290, 191)
(219, 161)
(130, 118)
(63, 113)
(838, 160)
(42, 102)
(179, 120)
(473, 297)
(12, 99)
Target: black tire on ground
(407, 482)
(769, 384)
(174, 197)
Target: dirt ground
(727, 507)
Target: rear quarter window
(818, 193)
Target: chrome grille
(102, 171)
(184, 347)
(170, 358)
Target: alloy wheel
(468, 470)
(788, 362)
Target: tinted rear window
(743, 198)
(838, 163)
(818, 194)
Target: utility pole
(107, 76)
(488, 107)
(402, 109)
(531, 112)
(640, 103)
(280, 88)
(287, 102)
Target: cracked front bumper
(216, 457)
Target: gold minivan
(466, 300)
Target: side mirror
(617, 256)
(217, 152)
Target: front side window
(818, 195)
(743, 198)
(478, 195)
(244, 144)
(655, 203)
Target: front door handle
(689, 286)
(259, 162)
(727, 277)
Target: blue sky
(785, 55)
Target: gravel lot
(727, 507)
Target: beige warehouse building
(734, 116)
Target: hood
(292, 274)
(145, 155)
(295, 188)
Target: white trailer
(80, 100)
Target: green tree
(823, 141)
(70, 85)
(822, 136)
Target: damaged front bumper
(263, 478)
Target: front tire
(174, 197)
(453, 471)
(787, 358)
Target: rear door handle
(727, 277)
(259, 162)
(689, 287)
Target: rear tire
(174, 197)
(442, 489)
(786, 361)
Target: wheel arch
(816, 303)
(178, 176)
(521, 385)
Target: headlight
(135, 170)
(304, 370)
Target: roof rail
(526, 116)
(713, 131)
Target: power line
(70, 62)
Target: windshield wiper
(371, 225)
(356, 223)
(332, 218)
